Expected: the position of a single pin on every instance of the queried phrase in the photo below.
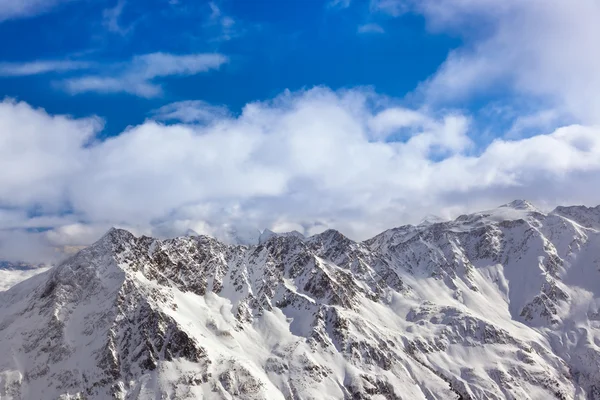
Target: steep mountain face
(500, 304)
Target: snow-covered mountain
(502, 304)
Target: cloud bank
(315, 159)
(309, 160)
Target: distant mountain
(240, 236)
(500, 304)
(268, 234)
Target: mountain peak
(332, 234)
(117, 232)
(191, 232)
(267, 234)
(520, 205)
(431, 219)
(116, 235)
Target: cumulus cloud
(39, 153)
(308, 160)
(12, 9)
(545, 50)
(139, 76)
(528, 124)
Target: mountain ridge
(497, 304)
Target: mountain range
(499, 304)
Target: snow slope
(501, 304)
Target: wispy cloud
(164, 64)
(529, 124)
(41, 67)
(394, 8)
(13, 9)
(228, 27)
(191, 111)
(100, 84)
(370, 28)
(112, 17)
(138, 77)
(338, 4)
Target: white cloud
(392, 7)
(228, 27)
(370, 28)
(395, 118)
(424, 133)
(542, 49)
(41, 67)
(338, 4)
(112, 16)
(39, 153)
(138, 77)
(191, 111)
(307, 160)
(543, 120)
(164, 64)
(101, 84)
(215, 11)
(12, 9)
(350, 160)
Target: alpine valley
(501, 304)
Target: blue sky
(168, 115)
(271, 46)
